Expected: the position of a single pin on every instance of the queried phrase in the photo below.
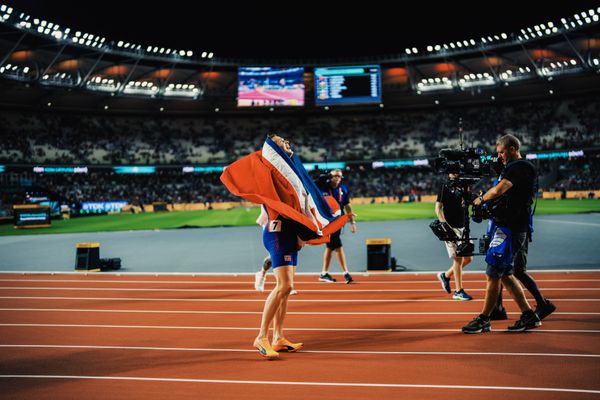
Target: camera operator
(449, 208)
(516, 186)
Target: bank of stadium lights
(87, 39)
(5, 12)
(560, 67)
(431, 84)
(102, 84)
(412, 50)
(141, 87)
(128, 46)
(59, 79)
(182, 90)
(479, 79)
(510, 75)
(15, 71)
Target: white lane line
(292, 300)
(235, 328)
(250, 283)
(558, 221)
(366, 352)
(251, 274)
(79, 310)
(293, 383)
(345, 290)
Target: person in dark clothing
(509, 243)
(449, 208)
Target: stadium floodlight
(459, 44)
(465, 43)
(190, 53)
(210, 55)
(429, 48)
(120, 43)
(408, 51)
(3, 8)
(595, 61)
(472, 42)
(182, 53)
(437, 47)
(204, 54)
(149, 49)
(414, 50)
(25, 70)
(573, 62)
(504, 36)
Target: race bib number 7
(275, 225)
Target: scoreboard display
(347, 85)
(31, 216)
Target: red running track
(387, 336)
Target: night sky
(302, 29)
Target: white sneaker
(259, 280)
(293, 292)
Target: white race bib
(275, 225)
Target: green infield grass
(247, 216)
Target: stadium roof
(322, 29)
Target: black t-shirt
(522, 175)
(452, 204)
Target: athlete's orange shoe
(285, 345)
(265, 349)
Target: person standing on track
(510, 239)
(296, 213)
(339, 192)
(450, 208)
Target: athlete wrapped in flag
(296, 213)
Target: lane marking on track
(365, 352)
(78, 310)
(292, 300)
(113, 289)
(235, 328)
(250, 283)
(251, 274)
(292, 383)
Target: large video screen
(269, 87)
(347, 85)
